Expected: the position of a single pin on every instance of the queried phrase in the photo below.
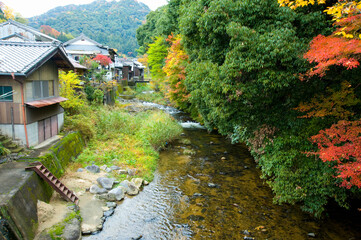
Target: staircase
(9, 144)
(55, 183)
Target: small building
(84, 46)
(29, 90)
(133, 71)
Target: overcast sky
(30, 8)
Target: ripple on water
(179, 204)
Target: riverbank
(123, 142)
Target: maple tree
(341, 144)
(102, 59)
(333, 103)
(343, 46)
(175, 69)
(49, 31)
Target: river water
(207, 188)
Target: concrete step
(11, 145)
(6, 141)
(17, 150)
(2, 138)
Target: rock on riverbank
(98, 195)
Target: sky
(30, 8)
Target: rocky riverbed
(99, 195)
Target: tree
(157, 53)
(69, 83)
(6, 12)
(343, 46)
(341, 144)
(102, 60)
(49, 31)
(175, 69)
(333, 103)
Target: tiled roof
(21, 57)
(83, 37)
(15, 35)
(29, 29)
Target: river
(207, 188)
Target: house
(133, 71)
(29, 90)
(138, 69)
(15, 31)
(84, 46)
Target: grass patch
(116, 137)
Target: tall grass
(116, 137)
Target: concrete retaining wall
(20, 190)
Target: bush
(98, 96)
(3, 150)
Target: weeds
(116, 137)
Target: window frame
(2, 91)
(42, 93)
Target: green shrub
(98, 96)
(3, 150)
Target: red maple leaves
(332, 50)
(103, 60)
(341, 143)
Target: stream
(207, 188)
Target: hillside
(111, 23)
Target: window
(6, 94)
(43, 89)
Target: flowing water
(207, 188)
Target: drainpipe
(23, 108)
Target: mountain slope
(111, 23)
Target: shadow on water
(207, 188)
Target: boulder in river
(106, 183)
(138, 182)
(311, 235)
(111, 204)
(116, 193)
(130, 187)
(97, 190)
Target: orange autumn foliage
(341, 144)
(175, 69)
(49, 31)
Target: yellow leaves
(299, 3)
(69, 82)
(7, 11)
(340, 12)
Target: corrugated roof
(46, 102)
(21, 57)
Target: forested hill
(111, 23)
